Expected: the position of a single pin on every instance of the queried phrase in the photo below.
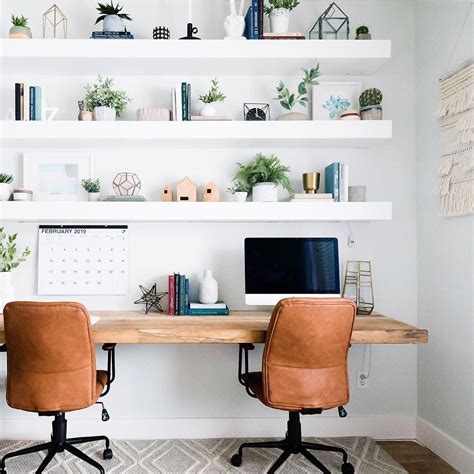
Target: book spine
(32, 102)
(179, 104)
(18, 107)
(171, 295)
(182, 295)
(186, 296)
(261, 8)
(336, 183)
(249, 24)
(343, 183)
(184, 101)
(208, 312)
(26, 102)
(176, 293)
(38, 103)
(256, 33)
(188, 101)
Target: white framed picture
(330, 99)
(57, 176)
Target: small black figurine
(192, 30)
(151, 298)
(161, 33)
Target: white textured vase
(7, 292)
(265, 192)
(113, 23)
(19, 32)
(279, 20)
(240, 196)
(93, 197)
(104, 114)
(5, 191)
(208, 110)
(208, 289)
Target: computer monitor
(277, 268)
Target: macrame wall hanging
(456, 171)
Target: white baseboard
(446, 447)
(377, 427)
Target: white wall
(445, 249)
(157, 386)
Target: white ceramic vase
(240, 196)
(208, 289)
(7, 292)
(208, 110)
(265, 192)
(93, 197)
(104, 114)
(279, 20)
(113, 23)
(5, 191)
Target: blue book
(331, 177)
(208, 312)
(249, 27)
(32, 102)
(182, 295)
(38, 103)
(184, 100)
(186, 296)
(256, 19)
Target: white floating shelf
(236, 134)
(144, 57)
(73, 212)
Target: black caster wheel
(236, 460)
(2, 471)
(347, 468)
(108, 454)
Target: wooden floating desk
(134, 327)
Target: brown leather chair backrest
(305, 356)
(50, 357)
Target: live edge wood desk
(134, 327)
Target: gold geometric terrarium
(358, 285)
(56, 18)
(126, 184)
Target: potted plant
(5, 188)
(214, 95)
(263, 176)
(103, 101)
(112, 17)
(288, 100)
(362, 33)
(279, 13)
(20, 29)
(10, 259)
(239, 190)
(92, 186)
(370, 104)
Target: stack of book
(201, 309)
(337, 181)
(178, 294)
(181, 102)
(111, 35)
(303, 197)
(283, 36)
(137, 198)
(27, 102)
(254, 20)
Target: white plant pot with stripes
(5, 191)
(104, 114)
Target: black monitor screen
(291, 266)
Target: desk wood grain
(134, 327)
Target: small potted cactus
(370, 104)
(362, 33)
(20, 29)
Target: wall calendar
(83, 260)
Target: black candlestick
(192, 30)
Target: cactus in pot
(370, 104)
(19, 29)
(362, 33)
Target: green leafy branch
(214, 94)
(8, 252)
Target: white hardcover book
(344, 182)
(179, 103)
(315, 196)
(173, 104)
(207, 306)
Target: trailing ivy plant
(9, 256)
(286, 4)
(214, 94)
(91, 185)
(106, 9)
(264, 169)
(288, 99)
(101, 94)
(19, 21)
(6, 178)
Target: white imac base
(271, 300)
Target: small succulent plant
(370, 97)
(6, 178)
(106, 9)
(19, 21)
(335, 105)
(362, 30)
(91, 185)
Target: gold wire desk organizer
(358, 285)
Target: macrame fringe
(458, 201)
(463, 158)
(456, 103)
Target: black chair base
(293, 444)
(60, 443)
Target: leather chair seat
(101, 382)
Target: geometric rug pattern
(204, 456)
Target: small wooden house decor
(186, 190)
(56, 18)
(211, 192)
(167, 193)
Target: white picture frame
(346, 95)
(56, 176)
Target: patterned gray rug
(209, 456)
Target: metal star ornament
(151, 299)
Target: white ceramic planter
(5, 191)
(208, 110)
(240, 196)
(208, 289)
(93, 197)
(104, 114)
(19, 32)
(113, 23)
(279, 20)
(7, 292)
(265, 192)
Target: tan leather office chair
(304, 370)
(51, 370)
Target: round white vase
(265, 192)
(93, 197)
(7, 292)
(208, 289)
(113, 23)
(5, 191)
(104, 114)
(279, 20)
(240, 196)
(19, 32)
(208, 110)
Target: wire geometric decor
(126, 184)
(358, 285)
(331, 24)
(55, 17)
